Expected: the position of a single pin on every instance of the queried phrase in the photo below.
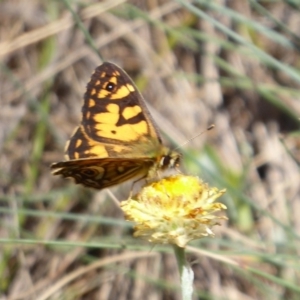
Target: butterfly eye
(110, 86)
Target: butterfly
(117, 138)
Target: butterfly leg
(134, 182)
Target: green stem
(186, 273)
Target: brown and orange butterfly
(117, 139)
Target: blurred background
(234, 64)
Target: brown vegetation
(235, 66)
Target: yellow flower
(174, 210)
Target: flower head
(174, 210)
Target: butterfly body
(117, 139)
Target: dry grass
(234, 66)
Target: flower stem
(186, 273)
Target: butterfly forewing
(114, 112)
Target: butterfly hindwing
(101, 173)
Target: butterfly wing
(115, 119)
(101, 173)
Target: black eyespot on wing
(89, 172)
(110, 86)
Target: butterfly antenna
(207, 129)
